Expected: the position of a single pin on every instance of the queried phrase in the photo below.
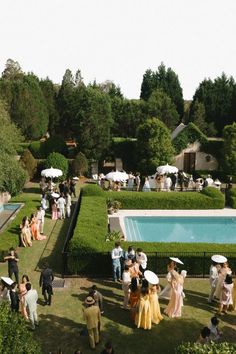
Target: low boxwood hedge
(209, 198)
(89, 253)
(211, 348)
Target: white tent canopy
(165, 169)
(51, 172)
(117, 176)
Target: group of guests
(32, 228)
(21, 295)
(223, 288)
(67, 186)
(210, 333)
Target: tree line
(93, 114)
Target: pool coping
(11, 217)
(116, 220)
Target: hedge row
(88, 247)
(209, 198)
(211, 348)
(231, 198)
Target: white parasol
(7, 280)
(51, 172)
(117, 176)
(55, 195)
(218, 258)
(176, 260)
(165, 169)
(75, 178)
(151, 277)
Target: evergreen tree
(161, 106)
(50, 94)
(229, 149)
(154, 145)
(12, 70)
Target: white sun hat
(218, 258)
(176, 260)
(151, 277)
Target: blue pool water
(181, 229)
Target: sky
(119, 40)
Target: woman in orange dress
(22, 293)
(133, 298)
(155, 307)
(34, 225)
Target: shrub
(212, 348)
(14, 176)
(57, 160)
(14, 335)
(36, 149)
(29, 163)
(92, 190)
(55, 144)
(231, 197)
(80, 164)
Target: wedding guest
(204, 337)
(92, 318)
(154, 303)
(22, 293)
(146, 186)
(143, 318)
(224, 270)
(40, 216)
(14, 296)
(165, 293)
(45, 280)
(141, 259)
(215, 332)
(134, 298)
(108, 349)
(61, 202)
(137, 181)
(226, 295)
(68, 205)
(213, 278)
(116, 254)
(54, 210)
(31, 299)
(97, 296)
(126, 280)
(26, 232)
(13, 260)
(34, 226)
(174, 307)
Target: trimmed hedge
(209, 198)
(211, 348)
(88, 247)
(231, 198)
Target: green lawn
(61, 323)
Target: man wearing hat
(92, 316)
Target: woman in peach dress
(174, 306)
(22, 293)
(143, 317)
(224, 270)
(154, 303)
(34, 225)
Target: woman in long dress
(224, 270)
(146, 186)
(165, 293)
(226, 297)
(34, 225)
(22, 293)
(143, 317)
(174, 307)
(134, 298)
(154, 303)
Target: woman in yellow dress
(154, 303)
(143, 317)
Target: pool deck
(116, 220)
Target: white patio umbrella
(117, 176)
(161, 170)
(51, 172)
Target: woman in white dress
(166, 292)
(146, 186)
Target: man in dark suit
(46, 279)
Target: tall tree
(229, 149)
(92, 121)
(65, 101)
(154, 145)
(160, 106)
(168, 81)
(218, 99)
(12, 70)
(50, 94)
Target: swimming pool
(180, 229)
(8, 212)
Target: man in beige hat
(92, 316)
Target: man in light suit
(92, 316)
(31, 299)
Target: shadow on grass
(59, 333)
